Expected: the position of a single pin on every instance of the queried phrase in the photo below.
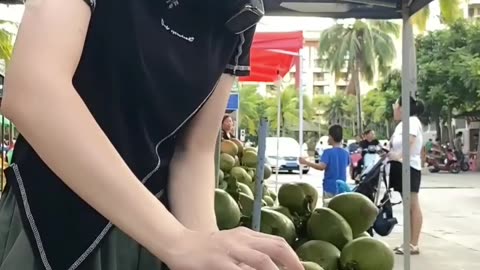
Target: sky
(11, 12)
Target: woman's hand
(236, 249)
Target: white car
(288, 154)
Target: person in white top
(395, 155)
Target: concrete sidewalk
(450, 237)
(437, 254)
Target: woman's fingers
(273, 246)
(245, 267)
(279, 251)
(253, 259)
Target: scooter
(370, 158)
(450, 164)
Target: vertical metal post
(300, 108)
(2, 179)
(217, 157)
(407, 41)
(257, 205)
(279, 116)
(236, 89)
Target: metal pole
(4, 155)
(300, 111)
(217, 157)
(257, 204)
(236, 89)
(279, 116)
(407, 48)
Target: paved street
(451, 208)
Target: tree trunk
(445, 135)
(478, 152)
(356, 81)
(449, 127)
(387, 128)
(438, 128)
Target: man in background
(458, 146)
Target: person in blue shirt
(334, 162)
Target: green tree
(374, 106)
(391, 88)
(289, 112)
(446, 59)
(250, 113)
(450, 11)
(6, 40)
(364, 48)
(337, 109)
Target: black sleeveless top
(147, 67)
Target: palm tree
(289, 112)
(250, 101)
(364, 48)
(336, 109)
(288, 109)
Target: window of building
(343, 76)
(318, 90)
(319, 76)
(471, 12)
(341, 88)
(319, 63)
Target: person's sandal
(414, 250)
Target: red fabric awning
(273, 54)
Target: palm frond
(450, 10)
(420, 19)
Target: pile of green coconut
(325, 238)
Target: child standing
(334, 162)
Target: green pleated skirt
(117, 251)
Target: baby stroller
(370, 185)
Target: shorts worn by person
(146, 69)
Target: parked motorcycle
(447, 163)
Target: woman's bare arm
(192, 190)
(39, 86)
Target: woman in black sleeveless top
(135, 90)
